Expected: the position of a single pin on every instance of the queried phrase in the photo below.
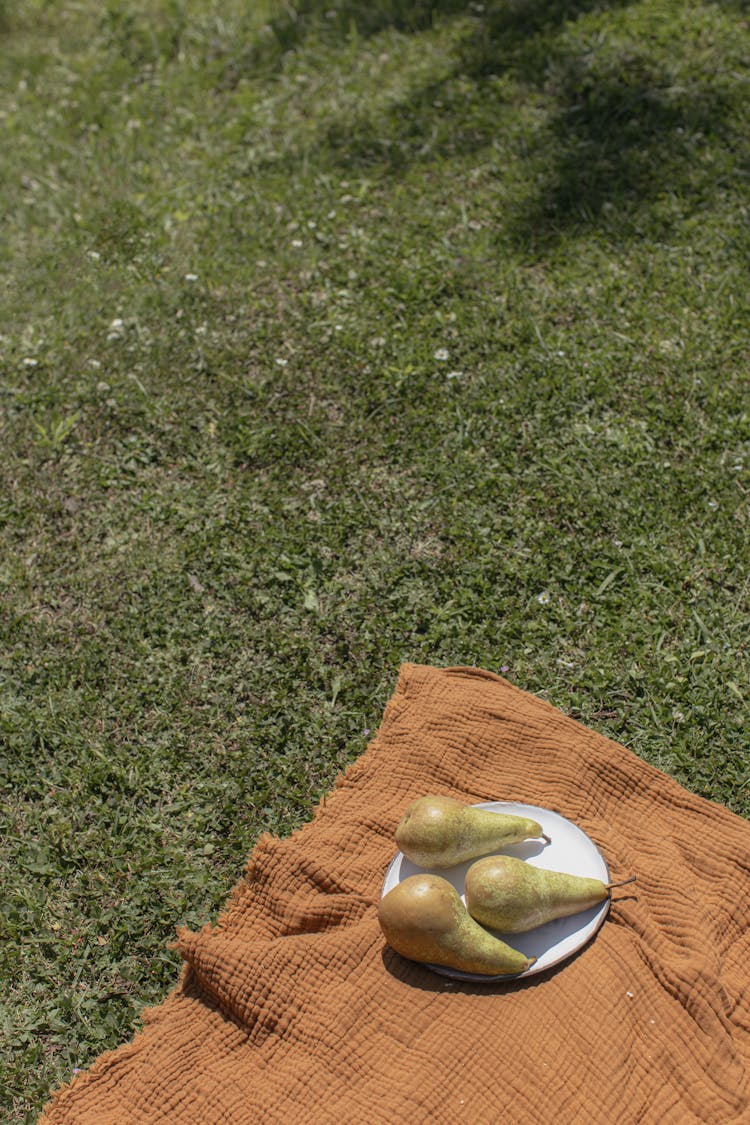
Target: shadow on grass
(505, 20)
(288, 30)
(621, 143)
(619, 133)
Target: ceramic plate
(570, 850)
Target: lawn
(333, 338)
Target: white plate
(570, 850)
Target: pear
(424, 919)
(511, 896)
(440, 832)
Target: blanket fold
(291, 1007)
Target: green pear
(424, 919)
(511, 896)
(441, 832)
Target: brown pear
(511, 896)
(424, 919)
(440, 832)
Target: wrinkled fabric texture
(292, 1009)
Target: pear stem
(622, 883)
(547, 839)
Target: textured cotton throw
(291, 1009)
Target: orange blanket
(292, 1010)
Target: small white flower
(441, 354)
(94, 255)
(296, 243)
(455, 375)
(712, 504)
(678, 716)
(116, 329)
(338, 327)
(281, 362)
(30, 362)
(191, 277)
(543, 598)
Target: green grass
(239, 483)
